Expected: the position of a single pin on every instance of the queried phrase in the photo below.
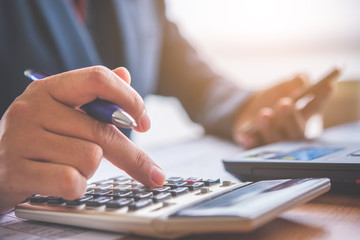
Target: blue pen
(99, 109)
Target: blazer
(47, 36)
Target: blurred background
(257, 43)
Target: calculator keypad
(122, 191)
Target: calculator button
(226, 183)
(133, 181)
(96, 202)
(131, 184)
(144, 195)
(79, 201)
(103, 182)
(89, 191)
(356, 154)
(174, 179)
(158, 190)
(38, 199)
(210, 182)
(161, 197)
(121, 194)
(179, 191)
(122, 182)
(191, 180)
(204, 190)
(101, 186)
(102, 192)
(119, 203)
(140, 204)
(119, 178)
(55, 200)
(176, 184)
(90, 186)
(121, 187)
(139, 188)
(195, 186)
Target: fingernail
(157, 176)
(145, 121)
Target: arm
(208, 99)
(224, 109)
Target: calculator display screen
(307, 154)
(302, 154)
(235, 203)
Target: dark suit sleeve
(208, 99)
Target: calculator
(340, 162)
(182, 206)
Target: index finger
(77, 87)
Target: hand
(272, 116)
(49, 147)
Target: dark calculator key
(90, 191)
(38, 199)
(210, 182)
(142, 195)
(119, 203)
(174, 179)
(55, 200)
(78, 201)
(179, 191)
(355, 154)
(195, 186)
(161, 197)
(139, 188)
(158, 190)
(176, 184)
(121, 194)
(140, 204)
(102, 192)
(97, 202)
(191, 180)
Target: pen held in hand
(99, 109)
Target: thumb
(123, 73)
